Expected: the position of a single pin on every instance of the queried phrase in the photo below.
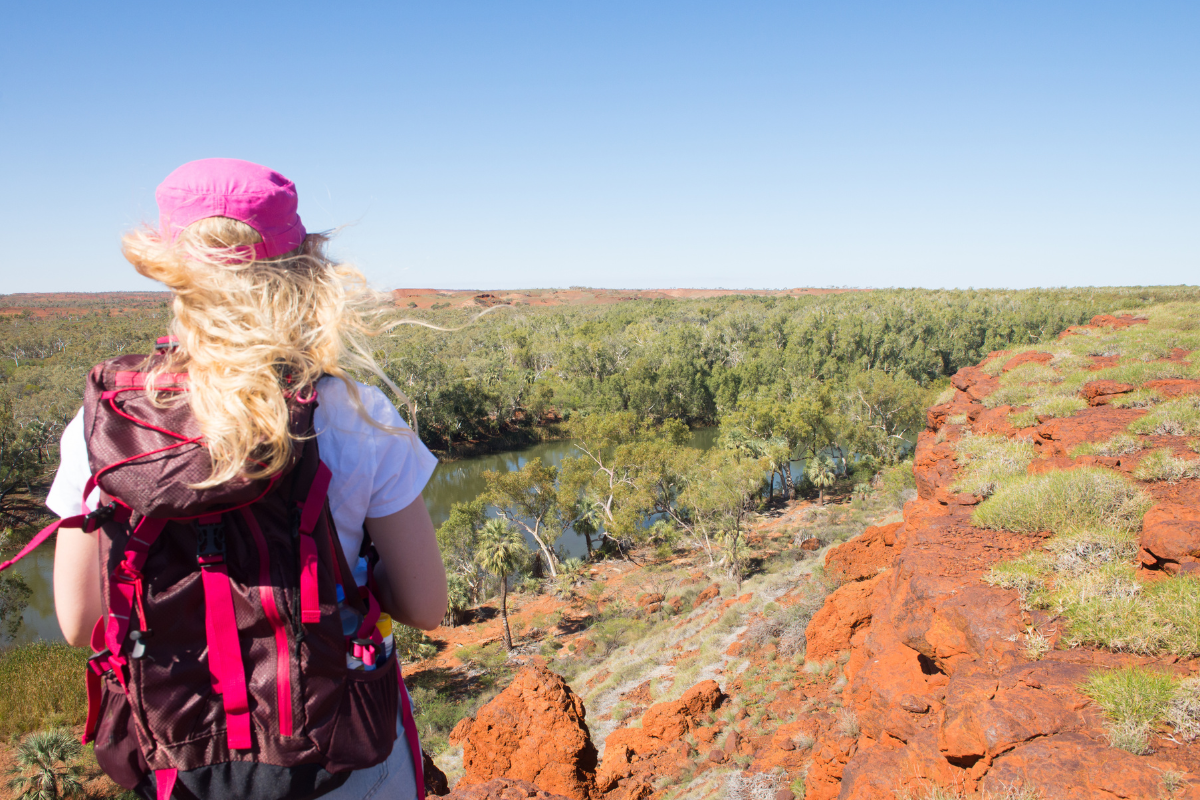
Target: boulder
(1100, 393)
(864, 556)
(1075, 765)
(1170, 536)
(708, 594)
(663, 725)
(846, 610)
(532, 731)
(1032, 357)
(502, 789)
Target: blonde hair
(254, 332)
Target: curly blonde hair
(253, 332)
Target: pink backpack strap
(310, 514)
(410, 733)
(164, 783)
(125, 587)
(220, 625)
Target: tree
(715, 503)
(501, 551)
(528, 497)
(457, 539)
(822, 472)
(45, 768)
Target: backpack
(220, 664)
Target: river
(452, 482)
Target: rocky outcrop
(532, 731)
(943, 686)
(634, 756)
(502, 789)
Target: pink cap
(228, 187)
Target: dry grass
(1134, 699)
(42, 686)
(1119, 445)
(1064, 500)
(1180, 417)
(1163, 465)
(987, 460)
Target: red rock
(716, 756)
(785, 794)
(1032, 357)
(845, 611)
(663, 725)
(975, 382)
(707, 594)
(811, 544)
(532, 731)
(502, 789)
(994, 420)
(731, 742)
(1075, 765)
(1170, 535)
(864, 556)
(1059, 437)
(1174, 387)
(1099, 393)
(650, 599)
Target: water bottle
(351, 619)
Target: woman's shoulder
(335, 407)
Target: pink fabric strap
(225, 653)
(410, 733)
(310, 513)
(310, 601)
(164, 781)
(266, 595)
(97, 665)
(314, 504)
(42, 535)
(123, 584)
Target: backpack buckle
(93, 520)
(99, 663)
(210, 542)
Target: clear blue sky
(625, 144)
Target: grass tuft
(1163, 465)
(988, 460)
(1180, 417)
(1119, 445)
(1063, 500)
(1134, 699)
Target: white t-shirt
(375, 473)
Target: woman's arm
(77, 584)
(411, 576)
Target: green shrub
(897, 485)
(1063, 500)
(1163, 465)
(1180, 417)
(1134, 699)
(42, 685)
(987, 460)
(1120, 444)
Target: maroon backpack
(220, 663)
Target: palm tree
(44, 770)
(458, 597)
(591, 517)
(822, 472)
(501, 551)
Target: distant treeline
(694, 361)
